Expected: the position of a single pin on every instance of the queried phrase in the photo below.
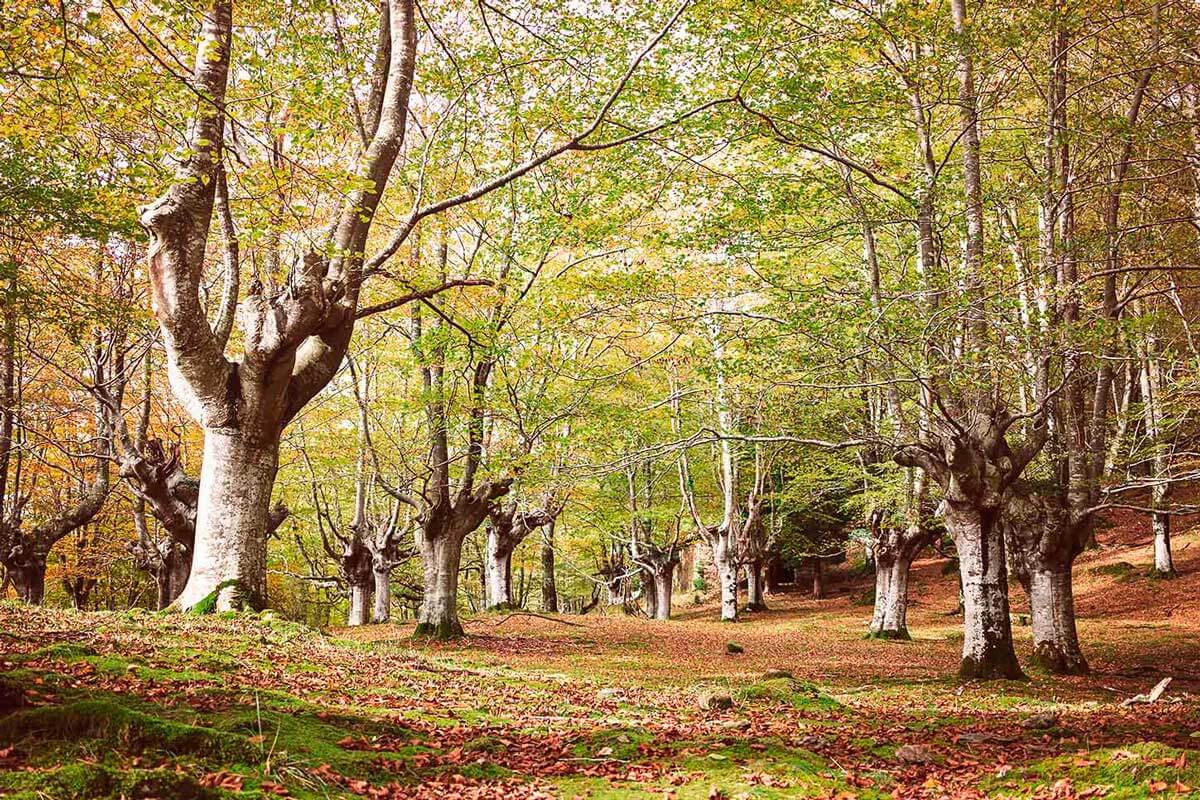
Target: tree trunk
(650, 592)
(818, 576)
(497, 566)
(29, 579)
(1052, 612)
(178, 568)
(727, 577)
(663, 587)
(988, 651)
(890, 620)
(229, 563)
(1160, 523)
(383, 596)
(439, 611)
(549, 587)
(883, 588)
(754, 587)
(360, 604)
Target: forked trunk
(754, 587)
(360, 605)
(497, 564)
(229, 563)
(988, 651)
(439, 610)
(383, 596)
(1052, 612)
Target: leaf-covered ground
(140, 705)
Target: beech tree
(293, 338)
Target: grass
(136, 705)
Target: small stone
(608, 693)
(1041, 721)
(715, 701)
(914, 754)
(778, 674)
(733, 648)
(733, 724)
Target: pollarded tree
(294, 337)
(507, 527)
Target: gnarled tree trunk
(987, 624)
(1043, 542)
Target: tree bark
(988, 651)
(818, 579)
(755, 601)
(360, 604)
(383, 595)
(549, 587)
(29, 579)
(438, 617)
(498, 570)
(727, 576)
(229, 563)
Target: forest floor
(141, 705)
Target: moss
(62, 652)
(901, 635)
(98, 782)
(619, 743)
(1121, 569)
(109, 720)
(1129, 772)
(790, 692)
(442, 631)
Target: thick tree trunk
(360, 605)
(229, 563)
(383, 596)
(178, 569)
(29, 579)
(890, 620)
(650, 593)
(727, 577)
(883, 588)
(497, 566)
(549, 587)
(988, 651)
(1042, 543)
(1052, 609)
(663, 587)
(754, 587)
(439, 610)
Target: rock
(608, 693)
(914, 754)
(715, 701)
(733, 648)
(778, 674)
(1041, 721)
